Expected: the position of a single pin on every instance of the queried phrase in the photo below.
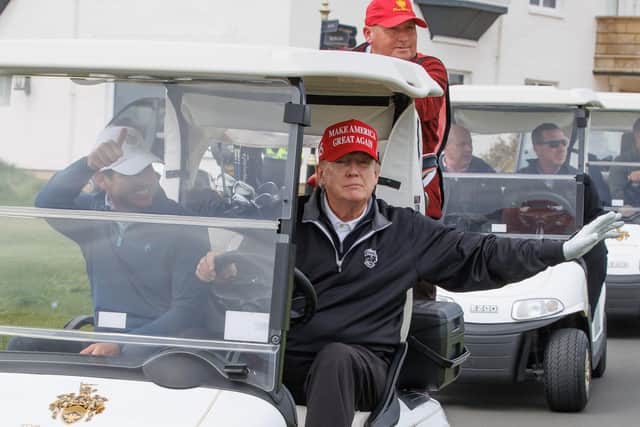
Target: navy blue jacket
(144, 270)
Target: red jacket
(434, 113)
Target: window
(536, 82)
(552, 8)
(459, 78)
(552, 4)
(5, 90)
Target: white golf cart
(230, 123)
(610, 143)
(540, 328)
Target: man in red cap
(390, 29)
(362, 255)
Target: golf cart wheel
(598, 371)
(567, 370)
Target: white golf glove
(603, 227)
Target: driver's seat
(387, 412)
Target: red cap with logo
(389, 13)
(347, 137)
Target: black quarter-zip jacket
(361, 284)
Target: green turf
(43, 282)
(17, 187)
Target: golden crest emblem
(401, 6)
(73, 407)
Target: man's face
(350, 179)
(399, 41)
(458, 150)
(131, 193)
(552, 152)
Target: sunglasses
(555, 143)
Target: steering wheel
(307, 300)
(535, 211)
(247, 290)
(555, 199)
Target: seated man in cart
(141, 274)
(550, 145)
(362, 256)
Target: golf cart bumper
(623, 294)
(498, 351)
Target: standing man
(390, 29)
(362, 256)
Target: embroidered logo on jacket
(370, 258)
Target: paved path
(615, 398)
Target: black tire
(567, 370)
(599, 370)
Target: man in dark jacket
(625, 180)
(362, 256)
(550, 145)
(141, 274)
(458, 155)
(390, 29)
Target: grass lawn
(43, 282)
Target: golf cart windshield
(107, 259)
(614, 153)
(503, 187)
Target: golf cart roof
(525, 96)
(324, 72)
(617, 101)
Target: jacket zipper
(339, 260)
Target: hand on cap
(603, 227)
(107, 152)
(206, 269)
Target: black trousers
(335, 382)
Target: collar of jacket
(312, 211)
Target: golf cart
(232, 125)
(610, 142)
(541, 328)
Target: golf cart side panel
(499, 352)
(154, 405)
(623, 294)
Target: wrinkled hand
(102, 349)
(603, 227)
(107, 152)
(206, 269)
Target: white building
(481, 41)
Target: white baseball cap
(135, 154)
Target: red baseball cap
(346, 137)
(389, 13)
